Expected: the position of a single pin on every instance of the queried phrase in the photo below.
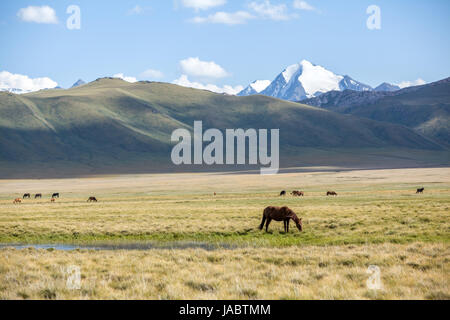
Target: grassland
(377, 219)
(417, 271)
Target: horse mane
(292, 214)
(296, 219)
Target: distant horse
(38, 195)
(92, 199)
(55, 195)
(53, 200)
(282, 193)
(331, 193)
(421, 190)
(280, 214)
(17, 201)
(298, 193)
(26, 196)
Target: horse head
(299, 224)
(291, 214)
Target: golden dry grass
(415, 271)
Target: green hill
(112, 126)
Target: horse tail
(263, 221)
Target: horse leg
(287, 224)
(268, 223)
(263, 221)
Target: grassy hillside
(426, 109)
(110, 123)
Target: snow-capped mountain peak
(317, 80)
(255, 87)
(260, 85)
(290, 71)
(306, 80)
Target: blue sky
(235, 42)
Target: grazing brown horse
(38, 195)
(17, 201)
(282, 193)
(421, 190)
(331, 193)
(298, 193)
(26, 196)
(92, 199)
(53, 200)
(280, 214)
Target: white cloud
(10, 81)
(270, 11)
(303, 5)
(185, 82)
(123, 77)
(152, 74)
(44, 14)
(203, 4)
(261, 9)
(405, 84)
(136, 10)
(229, 18)
(202, 69)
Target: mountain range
(297, 82)
(112, 126)
(23, 91)
(306, 80)
(425, 108)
